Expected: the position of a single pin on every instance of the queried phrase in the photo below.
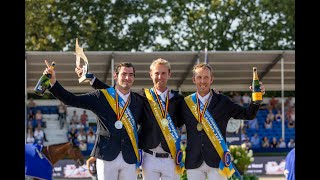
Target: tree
(171, 25)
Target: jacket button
(122, 140)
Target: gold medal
(164, 122)
(199, 127)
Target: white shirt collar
(204, 98)
(124, 97)
(163, 95)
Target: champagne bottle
(44, 82)
(256, 91)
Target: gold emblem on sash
(164, 122)
(199, 127)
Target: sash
(169, 132)
(226, 168)
(127, 120)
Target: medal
(199, 127)
(118, 124)
(164, 122)
(201, 113)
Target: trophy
(86, 76)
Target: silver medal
(118, 124)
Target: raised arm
(85, 101)
(238, 112)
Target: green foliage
(245, 177)
(53, 25)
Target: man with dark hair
(119, 111)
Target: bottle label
(256, 96)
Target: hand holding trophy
(86, 76)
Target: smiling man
(119, 111)
(206, 115)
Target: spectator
(273, 102)
(293, 114)
(270, 116)
(253, 124)
(291, 124)
(246, 100)
(84, 118)
(91, 138)
(82, 136)
(31, 103)
(39, 134)
(90, 129)
(72, 136)
(237, 98)
(247, 143)
(30, 122)
(255, 141)
(73, 124)
(274, 143)
(243, 134)
(291, 143)
(30, 114)
(75, 117)
(30, 138)
(278, 117)
(268, 124)
(39, 118)
(290, 114)
(289, 102)
(281, 143)
(83, 146)
(80, 126)
(62, 112)
(265, 142)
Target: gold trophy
(86, 76)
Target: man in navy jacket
(203, 124)
(119, 111)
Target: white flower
(231, 147)
(243, 145)
(250, 153)
(235, 161)
(238, 153)
(251, 159)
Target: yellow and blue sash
(169, 132)
(127, 120)
(226, 168)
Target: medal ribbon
(120, 114)
(201, 113)
(226, 168)
(169, 132)
(128, 120)
(163, 111)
